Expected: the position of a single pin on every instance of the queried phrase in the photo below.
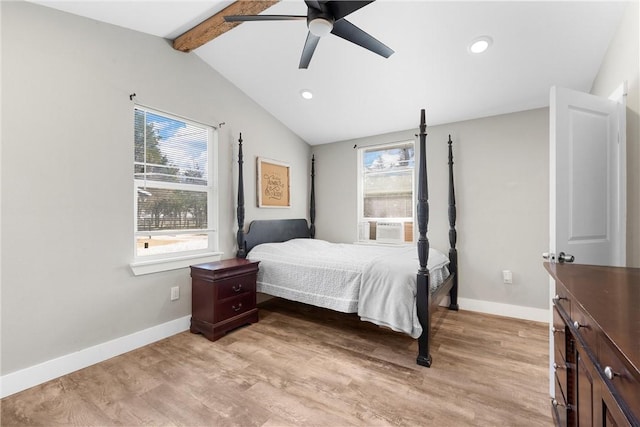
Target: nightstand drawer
(234, 306)
(235, 286)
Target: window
(174, 188)
(386, 192)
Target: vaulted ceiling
(535, 45)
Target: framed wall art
(274, 184)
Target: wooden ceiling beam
(215, 26)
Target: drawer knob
(237, 288)
(556, 366)
(237, 307)
(558, 298)
(610, 373)
(555, 404)
(554, 330)
(577, 325)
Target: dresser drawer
(560, 408)
(621, 376)
(584, 328)
(560, 376)
(559, 337)
(232, 307)
(562, 299)
(236, 286)
(560, 357)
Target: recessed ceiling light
(306, 94)
(480, 44)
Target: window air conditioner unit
(389, 232)
(363, 230)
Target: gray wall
(67, 190)
(502, 176)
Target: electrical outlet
(507, 277)
(175, 293)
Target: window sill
(147, 267)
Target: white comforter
(377, 282)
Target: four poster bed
(376, 281)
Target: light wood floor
(301, 365)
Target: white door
(587, 182)
(587, 178)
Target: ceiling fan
(324, 17)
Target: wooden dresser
(223, 296)
(596, 334)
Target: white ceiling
(357, 93)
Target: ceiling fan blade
(245, 18)
(309, 47)
(350, 32)
(339, 9)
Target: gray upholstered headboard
(274, 230)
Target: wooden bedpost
(312, 199)
(423, 296)
(242, 253)
(453, 235)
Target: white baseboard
(500, 309)
(43, 372)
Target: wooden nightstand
(223, 296)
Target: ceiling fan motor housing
(320, 21)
